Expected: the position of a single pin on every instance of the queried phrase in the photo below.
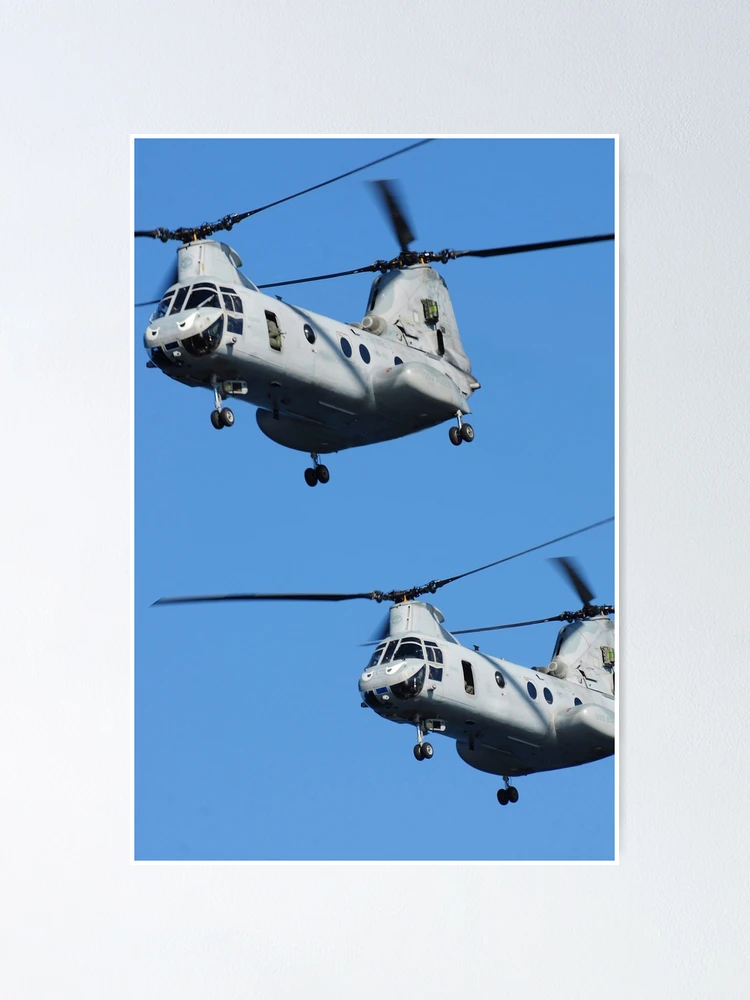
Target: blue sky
(249, 740)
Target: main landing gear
(464, 432)
(318, 473)
(220, 416)
(422, 751)
(507, 794)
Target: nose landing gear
(422, 751)
(318, 473)
(507, 794)
(463, 432)
(220, 416)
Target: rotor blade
(494, 628)
(264, 597)
(527, 247)
(383, 629)
(570, 569)
(319, 277)
(170, 278)
(207, 229)
(534, 548)
(393, 205)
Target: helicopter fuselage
(320, 385)
(506, 719)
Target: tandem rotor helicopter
(506, 719)
(320, 385)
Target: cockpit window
(203, 295)
(376, 656)
(434, 653)
(388, 655)
(179, 299)
(163, 308)
(410, 649)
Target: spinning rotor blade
(206, 229)
(527, 247)
(263, 597)
(378, 595)
(393, 205)
(573, 573)
(494, 628)
(170, 278)
(408, 257)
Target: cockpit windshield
(163, 307)
(376, 656)
(409, 649)
(203, 295)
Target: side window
(499, 679)
(468, 677)
(436, 673)
(364, 354)
(234, 324)
(346, 347)
(548, 696)
(532, 690)
(179, 299)
(237, 303)
(309, 333)
(274, 333)
(434, 654)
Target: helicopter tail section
(413, 303)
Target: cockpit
(404, 649)
(186, 299)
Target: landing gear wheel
(512, 794)
(467, 432)
(311, 477)
(427, 751)
(502, 796)
(227, 417)
(322, 474)
(418, 751)
(216, 419)
(455, 435)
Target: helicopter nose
(179, 327)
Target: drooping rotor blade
(383, 629)
(528, 247)
(534, 548)
(494, 628)
(185, 234)
(318, 277)
(263, 597)
(393, 205)
(572, 572)
(393, 596)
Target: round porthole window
(531, 689)
(309, 333)
(499, 679)
(346, 347)
(364, 354)
(548, 696)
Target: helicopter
(505, 719)
(319, 385)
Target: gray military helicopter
(506, 719)
(321, 385)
